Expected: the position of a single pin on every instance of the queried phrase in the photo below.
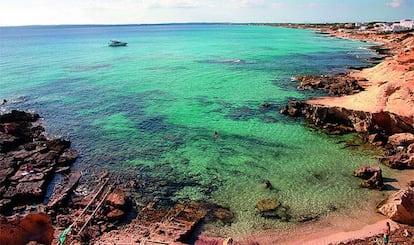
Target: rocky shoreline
(389, 129)
(29, 160)
(42, 200)
(32, 163)
(384, 129)
(39, 198)
(388, 123)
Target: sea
(150, 110)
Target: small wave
(166, 68)
(8, 104)
(227, 61)
(83, 68)
(15, 100)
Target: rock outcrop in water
(382, 113)
(392, 131)
(372, 176)
(337, 84)
(272, 208)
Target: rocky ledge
(393, 132)
(335, 84)
(29, 160)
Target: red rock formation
(19, 231)
(338, 84)
(399, 207)
(372, 175)
(117, 198)
(379, 128)
(401, 139)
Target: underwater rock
(282, 213)
(266, 205)
(225, 215)
(272, 208)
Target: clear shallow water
(155, 104)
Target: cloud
(253, 4)
(171, 4)
(394, 3)
(277, 5)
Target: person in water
(268, 185)
(387, 232)
(216, 135)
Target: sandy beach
(389, 85)
(355, 227)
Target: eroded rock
(117, 198)
(399, 207)
(401, 139)
(32, 227)
(272, 208)
(28, 159)
(337, 84)
(372, 176)
(266, 205)
(115, 214)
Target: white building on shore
(395, 27)
(408, 24)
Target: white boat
(116, 43)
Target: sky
(57, 12)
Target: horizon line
(194, 23)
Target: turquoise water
(150, 110)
